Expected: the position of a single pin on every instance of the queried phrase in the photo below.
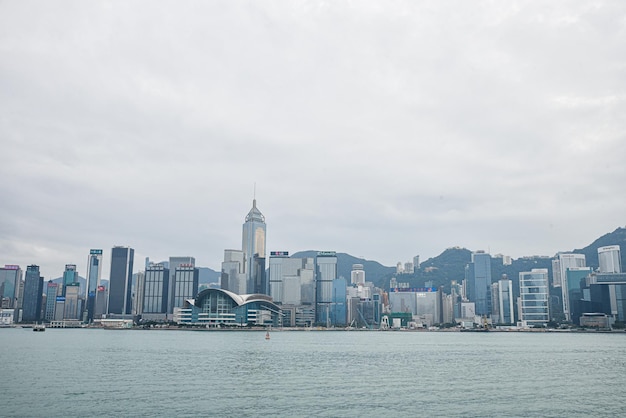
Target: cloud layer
(384, 130)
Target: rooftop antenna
(254, 195)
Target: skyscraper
(505, 301)
(253, 243)
(121, 281)
(51, 300)
(534, 297)
(33, 295)
(233, 277)
(609, 259)
(155, 289)
(94, 270)
(565, 261)
(174, 263)
(478, 281)
(291, 279)
(186, 278)
(10, 278)
(357, 275)
(572, 292)
(70, 276)
(325, 273)
(71, 309)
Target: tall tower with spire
(253, 246)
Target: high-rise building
(233, 277)
(566, 261)
(478, 281)
(102, 299)
(357, 275)
(10, 278)
(186, 278)
(94, 271)
(534, 297)
(70, 276)
(572, 292)
(610, 259)
(121, 281)
(338, 313)
(423, 303)
(416, 263)
(292, 287)
(71, 310)
(291, 279)
(33, 295)
(325, 273)
(138, 294)
(556, 273)
(51, 297)
(505, 301)
(174, 263)
(253, 244)
(155, 289)
(495, 302)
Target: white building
(534, 297)
(566, 261)
(609, 259)
(291, 280)
(357, 275)
(505, 301)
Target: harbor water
(146, 373)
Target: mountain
(208, 275)
(450, 264)
(617, 237)
(374, 271)
(439, 270)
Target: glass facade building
(478, 282)
(572, 292)
(566, 261)
(174, 264)
(10, 278)
(52, 290)
(607, 294)
(505, 301)
(94, 271)
(70, 276)
(338, 309)
(253, 244)
(218, 307)
(534, 297)
(186, 278)
(121, 281)
(233, 277)
(33, 295)
(155, 289)
(71, 309)
(325, 273)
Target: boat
(267, 335)
(39, 327)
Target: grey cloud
(379, 130)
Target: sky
(383, 129)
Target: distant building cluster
(287, 291)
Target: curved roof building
(218, 306)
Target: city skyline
(382, 132)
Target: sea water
(145, 373)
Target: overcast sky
(382, 129)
